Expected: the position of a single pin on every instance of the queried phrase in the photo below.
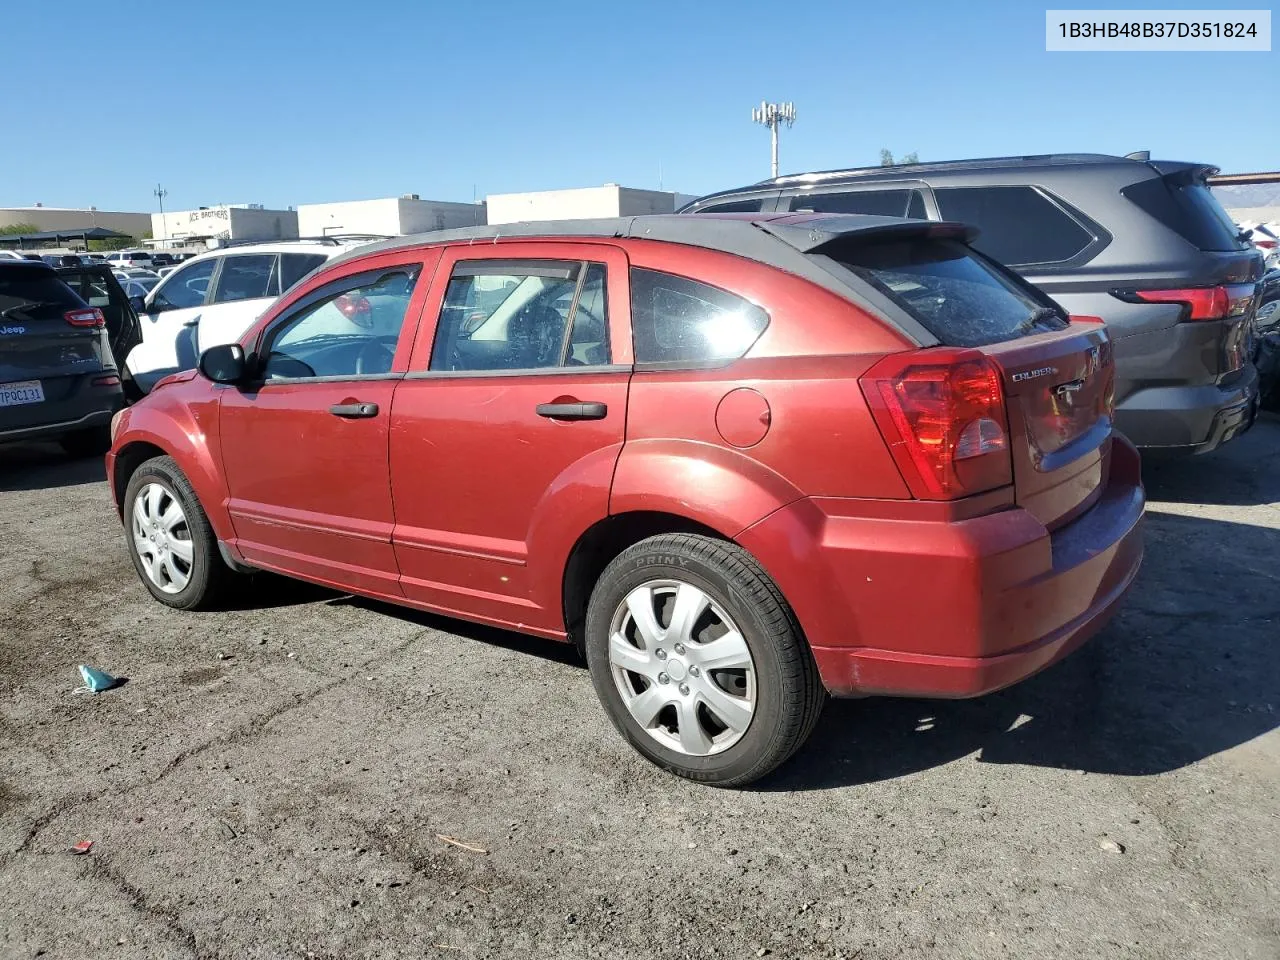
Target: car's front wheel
(699, 660)
(171, 543)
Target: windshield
(960, 298)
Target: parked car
(739, 462)
(1142, 244)
(11, 255)
(131, 258)
(214, 298)
(138, 288)
(58, 380)
(62, 259)
(96, 285)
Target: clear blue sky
(286, 103)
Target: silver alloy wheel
(682, 667)
(162, 538)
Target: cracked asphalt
(275, 780)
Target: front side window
(247, 277)
(350, 332)
(880, 203)
(522, 315)
(186, 287)
(1019, 225)
(677, 320)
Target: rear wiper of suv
(20, 307)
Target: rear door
(506, 429)
(49, 341)
(244, 287)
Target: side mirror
(139, 304)
(224, 363)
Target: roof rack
(331, 240)
(899, 168)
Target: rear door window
(295, 266)
(677, 320)
(247, 277)
(522, 315)
(1020, 225)
(880, 203)
(958, 297)
(735, 206)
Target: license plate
(24, 391)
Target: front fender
(720, 488)
(182, 420)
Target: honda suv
(1141, 243)
(741, 461)
(58, 378)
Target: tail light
(1205, 303)
(107, 381)
(85, 317)
(942, 413)
(356, 309)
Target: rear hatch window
(32, 295)
(957, 296)
(1184, 204)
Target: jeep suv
(743, 461)
(1142, 244)
(58, 379)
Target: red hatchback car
(743, 461)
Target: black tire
(90, 442)
(209, 574)
(789, 693)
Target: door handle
(588, 410)
(354, 411)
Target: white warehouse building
(227, 221)
(581, 203)
(390, 216)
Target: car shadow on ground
(1186, 670)
(1242, 473)
(42, 466)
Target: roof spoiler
(812, 236)
(1184, 174)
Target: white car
(122, 259)
(215, 297)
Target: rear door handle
(354, 411)
(589, 410)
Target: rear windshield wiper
(22, 307)
(1038, 316)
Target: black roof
(32, 265)
(786, 241)
(79, 233)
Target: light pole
(161, 193)
(772, 114)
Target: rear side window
(959, 298)
(246, 278)
(880, 203)
(677, 320)
(1189, 210)
(734, 206)
(1019, 225)
(295, 266)
(34, 295)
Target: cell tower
(771, 115)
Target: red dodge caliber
(743, 461)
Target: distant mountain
(1249, 195)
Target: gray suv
(1140, 243)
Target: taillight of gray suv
(1141, 243)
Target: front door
(304, 446)
(506, 430)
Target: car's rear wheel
(171, 543)
(91, 442)
(699, 660)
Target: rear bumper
(88, 406)
(1189, 419)
(961, 608)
